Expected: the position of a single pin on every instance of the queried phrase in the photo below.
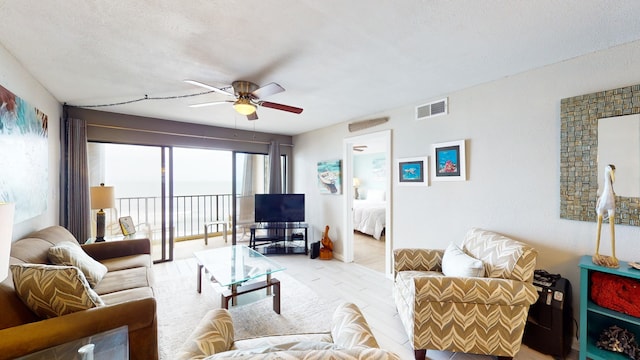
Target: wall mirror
(619, 144)
(581, 162)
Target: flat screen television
(279, 207)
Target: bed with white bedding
(369, 215)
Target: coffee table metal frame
(233, 266)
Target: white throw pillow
(70, 254)
(458, 264)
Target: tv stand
(280, 238)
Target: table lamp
(101, 198)
(356, 185)
(6, 231)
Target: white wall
(512, 127)
(17, 80)
(363, 169)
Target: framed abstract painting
(25, 172)
(449, 161)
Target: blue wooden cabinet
(594, 318)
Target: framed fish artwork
(449, 161)
(413, 171)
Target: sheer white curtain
(75, 206)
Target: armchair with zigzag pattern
(480, 315)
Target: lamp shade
(102, 197)
(244, 107)
(6, 231)
(356, 182)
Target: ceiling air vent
(432, 109)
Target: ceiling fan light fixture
(244, 106)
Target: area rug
(181, 307)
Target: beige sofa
(349, 338)
(126, 291)
(483, 313)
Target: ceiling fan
(248, 97)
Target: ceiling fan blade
(209, 87)
(267, 90)
(253, 116)
(210, 103)
(282, 107)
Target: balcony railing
(190, 213)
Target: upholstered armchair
(472, 299)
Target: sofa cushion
(53, 290)
(123, 296)
(127, 262)
(31, 250)
(33, 247)
(69, 253)
(458, 264)
(277, 347)
(114, 281)
(333, 354)
(264, 341)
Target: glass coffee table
(234, 267)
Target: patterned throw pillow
(52, 290)
(458, 264)
(68, 253)
(214, 334)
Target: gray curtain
(275, 170)
(275, 177)
(75, 207)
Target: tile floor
(369, 289)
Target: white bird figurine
(607, 204)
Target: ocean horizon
(131, 189)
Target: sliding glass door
(252, 176)
(140, 177)
(171, 193)
(202, 194)
(250, 179)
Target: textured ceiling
(339, 60)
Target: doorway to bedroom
(368, 178)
